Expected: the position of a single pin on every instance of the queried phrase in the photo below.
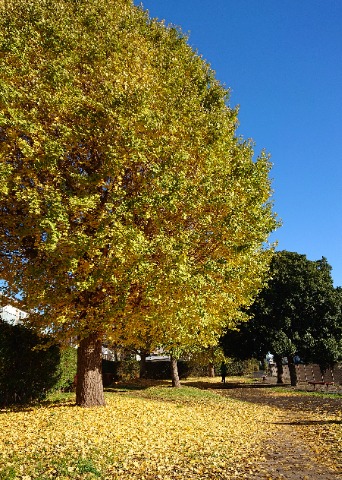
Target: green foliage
(299, 311)
(25, 373)
(128, 369)
(242, 367)
(161, 370)
(66, 369)
(8, 473)
(85, 465)
(201, 360)
(199, 370)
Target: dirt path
(304, 444)
(287, 457)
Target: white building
(12, 315)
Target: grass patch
(182, 394)
(8, 473)
(85, 465)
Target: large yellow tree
(127, 201)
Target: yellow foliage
(129, 205)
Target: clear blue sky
(282, 61)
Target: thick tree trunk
(293, 371)
(280, 370)
(174, 373)
(211, 370)
(143, 370)
(89, 388)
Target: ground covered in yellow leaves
(156, 432)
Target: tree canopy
(128, 204)
(297, 312)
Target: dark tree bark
(293, 371)
(174, 373)
(211, 370)
(280, 370)
(89, 388)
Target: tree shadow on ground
(311, 422)
(15, 408)
(274, 395)
(232, 385)
(29, 407)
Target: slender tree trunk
(293, 371)
(89, 388)
(280, 370)
(143, 370)
(174, 372)
(211, 370)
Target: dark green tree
(298, 312)
(26, 373)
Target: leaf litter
(163, 433)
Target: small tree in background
(323, 341)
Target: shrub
(26, 373)
(66, 369)
(161, 370)
(242, 367)
(128, 369)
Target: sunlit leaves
(128, 203)
(193, 436)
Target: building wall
(12, 315)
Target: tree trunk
(211, 370)
(280, 370)
(89, 388)
(174, 373)
(143, 370)
(293, 371)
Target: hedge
(26, 373)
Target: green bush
(26, 373)
(128, 369)
(161, 370)
(195, 369)
(242, 367)
(122, 370)
(234, 368)
(67, 369)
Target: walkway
(307, 443)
